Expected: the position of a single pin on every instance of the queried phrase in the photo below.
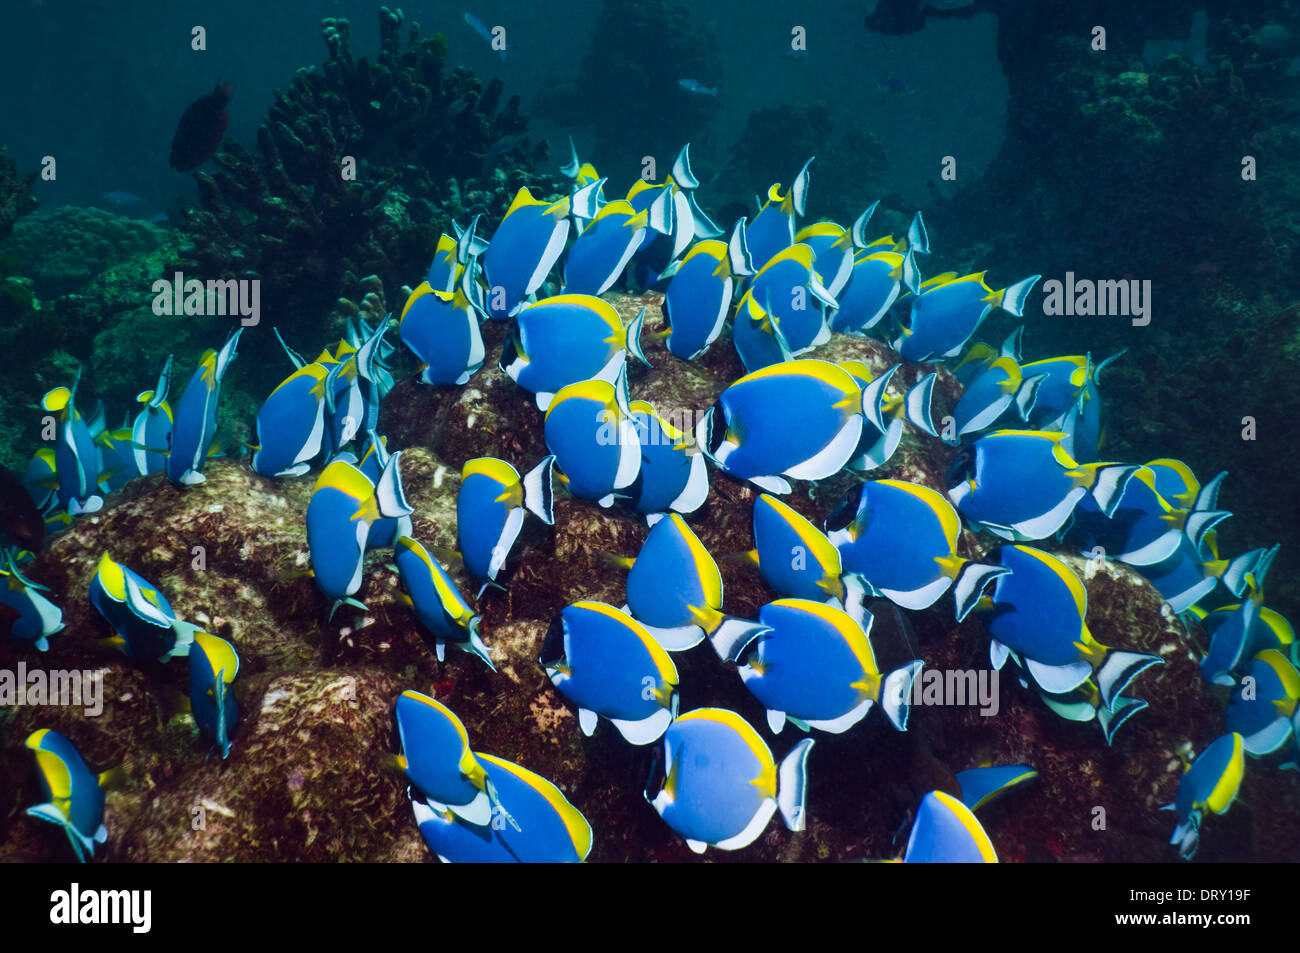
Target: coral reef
(306, 780)
(16, 199)
(429, 145)
(62, 249)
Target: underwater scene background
(811, 366)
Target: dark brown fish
(200, 130)
(21, 523)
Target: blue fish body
(674, 587)
(721, 784)
(872, 289)
(522, 252)
(601, 253)
(139, 614)
(291, 424)
(213, 667)
(196, 415)
(490, 506)
(979, 786)
(75, 800)
(76, 455)
(946, 832)
(1264, 716)
(444, 270)
(815, 666)
(152, 428)
(37, 618)
(1209, 784)
(794, 557)
(607, 664)
(547, 828)
(772, 229)
(698, 299)
(1142, 530)
(441, 328)
(442, 611)
(117, 458)
(1038, 608)
(901, 537)
(438, 760)
(946, 313)
(792, 294)
(1237, 633)
(594, 440)
(670, 478)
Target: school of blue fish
(1027, 468)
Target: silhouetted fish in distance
(200, 130)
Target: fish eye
(845, 510)
(717, 430)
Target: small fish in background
(444, 616)
(122, 198)
(77, 458)
(75, 796)
(477, 26)
(696, 88)
(198, 134)
(894, 87)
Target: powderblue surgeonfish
(76, 455)
(1238, 632)
(879, 275)
(490, 506)
(718, 784)
(1026, 485)
(144, 625)
(589, 429)
(1068, 400)
(673, 476)
(800, 419)
(442, 329)
(876, 446)
(444, 615)
(75, 796)
(196, 415)
(1263, 705)
(117, 459)
(152, 429)
(795, 558)
(607, 664)
(834, 248)
(385, 530)
(344, 505)
(901, 539)
(815, 667)
(981, 785)
(567, 339)
(946, 832)
(773, 227)
(291, 423)
(674, 589)
(213, 667)
(27, 615)
(523, 251)
(699, 295)
(547, 828)
(793, 297)
(438, 761)
(999, 385)
(947, 312)
(354, 389)
(597, 259)
(1037, 611)
(1210, 783)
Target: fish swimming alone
(74, 795)
(213, 667)
(1210, 783)
(198, 134)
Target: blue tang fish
(41, 480)
(793, 556)
(344, 505)
(143, 623)
(1026, 485)
(76, 455)
(523, 251)
(699, 295)
(674, 589)
(981, 785)
(547, 829)
(441, 328)
(792, 295)
(834, 247)
(990, 394)
(291, 424)
(876, 447)
(946, 313)
(152, 429)
(874, 284)
(718, 784)
(1263, 709)
(773, 227)
(1037, 611)
(117, 459)
(213, 667)
(815, 667)
(946, 832)
(75, 795)
(32, 617)
(589, 429)
(441, 610)
(567, 339)
(673, 475)
(607, 664)
(384, 531)
(1070, 402)
(1210, 783)
(800, 419)
(196, 415)
(1237, 633)
(604, 248)
(490, 509)
(901, 538)
(1192, 572)
(437, 758)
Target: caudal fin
(896, 693)
(792, 785)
